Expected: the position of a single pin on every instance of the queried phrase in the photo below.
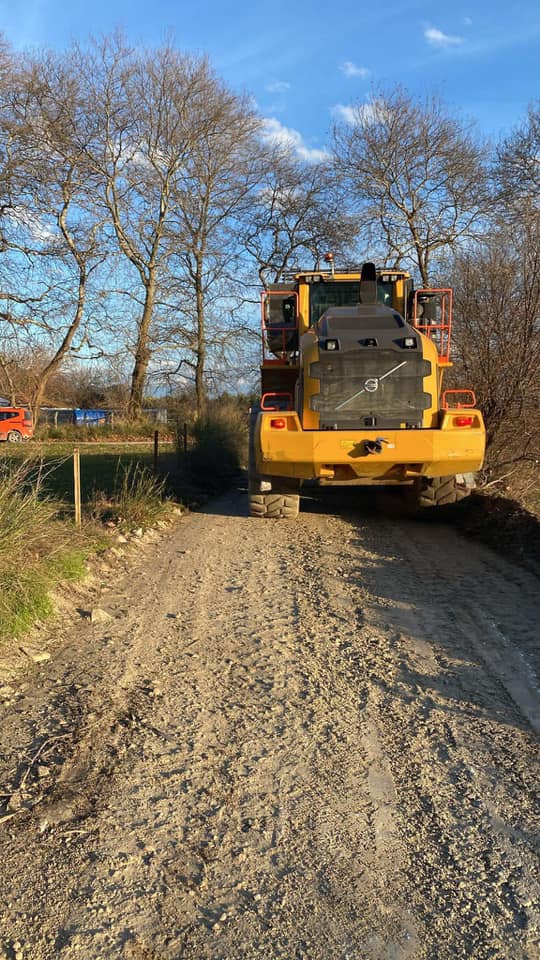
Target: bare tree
(416, 175)
(221, 175)
(497, 286)
(297, 213)
(497, 316)
(53, 224)
(517, 169)
(7, 377)
(150, 109)
(8, 80)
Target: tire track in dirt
(444, 712)
(288, 743)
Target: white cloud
(274, 108)
(278, 86)
(276, 133)
(347, 113)
(351, 70)
(367, 112)
(439, 39)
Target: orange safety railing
(459, 405)
(439, 331)
(278, 339)
(277, 401)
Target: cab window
(342, 293)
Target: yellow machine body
(342, 456)
(305, 384)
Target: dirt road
(314, 739)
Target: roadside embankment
(502, 524)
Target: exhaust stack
(368, 284)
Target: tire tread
(442, 491)
(274, 506)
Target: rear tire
(269, 506)
(274, 506)
(442, 491)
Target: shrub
(219, 448)
(118, 430)
(32, 547)
(138, 496)
(24, 517)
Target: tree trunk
(200, 386)
(142, 353)
(53, 365)
(37, 399)
(9, 380)
(422, 256)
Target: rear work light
(463, 421)
(278, 423)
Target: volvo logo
(371, 385)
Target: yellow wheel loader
(352, 391)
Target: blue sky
(305, 63)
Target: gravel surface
(313, 740)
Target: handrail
(444, 327)
(267, 396)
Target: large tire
(442, 491)
(283, 503)
(14, 436)
(274, 506)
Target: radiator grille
(362, 388)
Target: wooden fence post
(77, 486)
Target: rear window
(9, 414)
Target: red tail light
(278, 423)
(463, 421)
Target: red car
(16, 424)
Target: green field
(102, 464)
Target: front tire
(14, 436)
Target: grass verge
(36, 549)
(137, 498)
(39, 546)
